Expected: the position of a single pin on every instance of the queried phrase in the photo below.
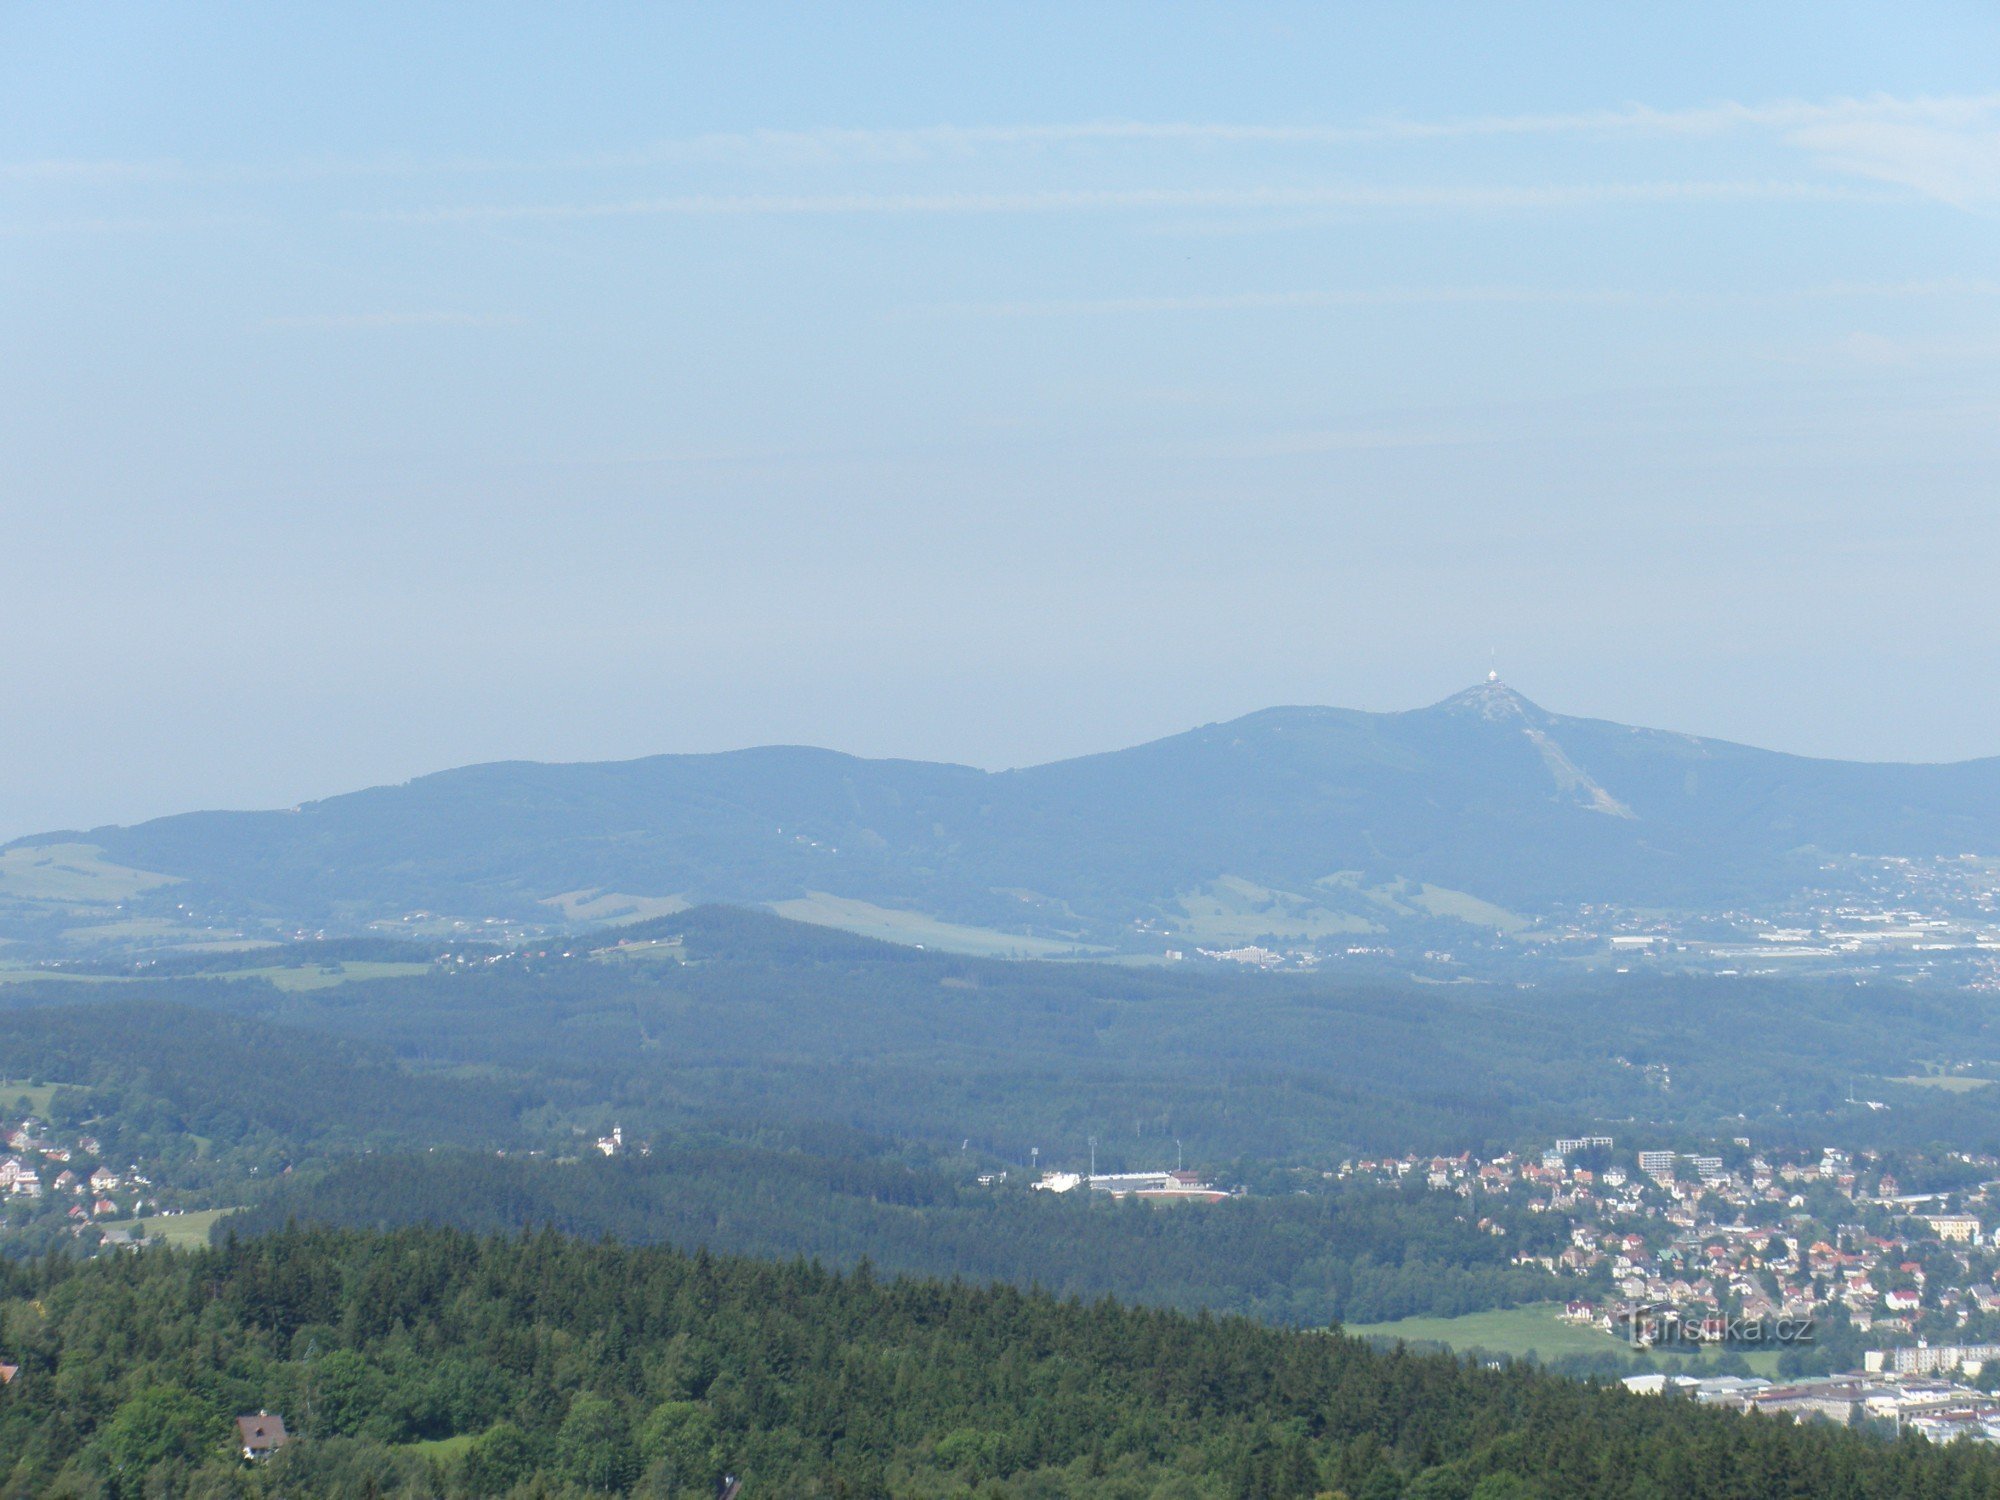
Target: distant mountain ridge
(1483, 807)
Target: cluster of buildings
(1910, 916)
(47, 1172)
(1741, 1234)
(1723, 1247)
(1935, 917)
(1940, 1410)
(1256, 956)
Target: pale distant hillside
(1315, 822)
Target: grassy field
(656, 951)
(1537, 1328)
(916, 928)
(71, 873)
(613, 906)
(161, 931)
(293, 977)
(326, 976)
(1442, 901)
(187, 1231)
(15, 1092)
(1951, 1083)
(1234, 911)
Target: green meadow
(188, 1231)
(1537, 1328)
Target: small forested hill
(1360, 1254)
(206, 1097)
(1311, 818)
(428, 1363)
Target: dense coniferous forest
(217, 1107)
(1359, 1254)
(427, 1362)
(243, 1082)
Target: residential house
(261, 1435)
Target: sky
(387, 388)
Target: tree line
(428, 1362)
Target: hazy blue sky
(386, 388)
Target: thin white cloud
(1942, 287)
(1827, 126)
(1876, 351)
(1960, 167)
(346, 321)
(1283, 301)
(169, 172)
(1447, 296)
(91, 171)
(105, 224)
(930, 141)
(1066, 200)
(1305, 444)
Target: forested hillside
(739, 1020)
(150, 1064)
(1357, 1254)
(727, 1016)
(429, 1363)
(1315, 820)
